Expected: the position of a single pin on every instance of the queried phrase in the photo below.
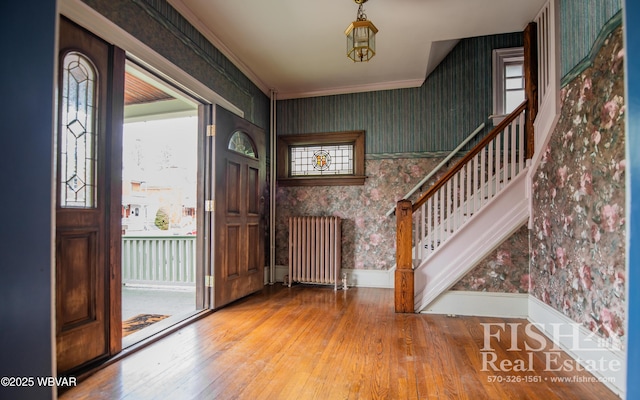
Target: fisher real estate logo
(536, 346)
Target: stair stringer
(488, 227)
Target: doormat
(140, 321)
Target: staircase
(464, 216)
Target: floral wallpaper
(368, 235)
(505, 270)
(574, 257)
(578, 241)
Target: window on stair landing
(508, 81)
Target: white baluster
(522, 156)
(429, 225)
(422, 231)
(454, 213)
(478, 180)
(514, 139)
(497, 164)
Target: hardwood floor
(315, 343)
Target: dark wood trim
(404, 284)
(335, 180)
(204, 193)
(322, 138)
(531, 84)
(114, 186)
(284, 142)
(472, 153)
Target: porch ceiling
(137, 91)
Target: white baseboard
(355, 277)
(370, 278)
(281, 272)
(482, 304)
(581, 344)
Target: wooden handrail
(472, 153)
(439, 166)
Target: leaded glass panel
(321, 160)
(241, 143)
(78, 136)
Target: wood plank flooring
(315, 343)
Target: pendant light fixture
(361, 37)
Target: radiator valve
(344, 281)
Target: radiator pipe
(272, 190)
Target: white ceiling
(298, 47)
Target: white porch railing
(159, 260)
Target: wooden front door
(88, 191)
(239, 208)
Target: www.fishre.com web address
(554, 379)
(582, 379)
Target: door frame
(80, 13)
(114, 204)
(201, 106)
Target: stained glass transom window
(241, 143)
(322, 160)
(78, 136)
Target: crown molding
(211, 37)
(406, 84)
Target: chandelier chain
(361, 15)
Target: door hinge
(208, 281)
(209, 205)
(211, 130)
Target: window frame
(283, 163)
(500, 58)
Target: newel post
(404, 262)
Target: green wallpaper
(454, 99)
(161, 27)
(437, 116)
(582, 24)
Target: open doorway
(159, 206)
